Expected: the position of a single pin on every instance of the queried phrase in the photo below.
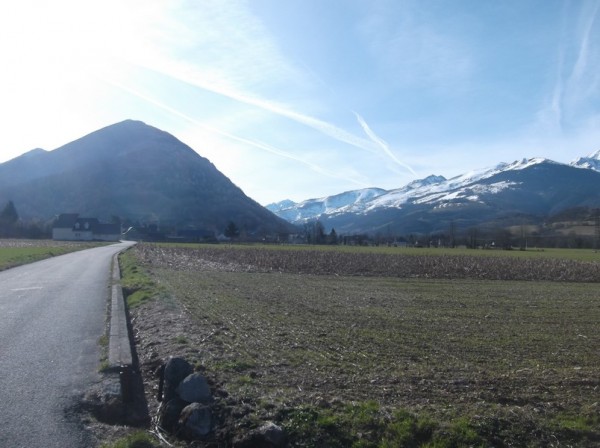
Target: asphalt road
(52, 314)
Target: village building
(70, 227)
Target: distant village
(74, 227)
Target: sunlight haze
(295, 99)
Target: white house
(70, 227)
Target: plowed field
(343, 348)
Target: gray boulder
(194, 389)
(169, 414)
(272, 434)
(268, 435)
(175, 371)
(195, 421)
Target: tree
(9, 215)
(452, 234)
(8, 221)
(333, 238)
(473, 234)
(320, 233)
(231, 231)
(315, 233)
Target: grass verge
(138, 439)
(138, 286)
(18, 252)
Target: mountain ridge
(462, 197)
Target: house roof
(74, 222)
(65, 221)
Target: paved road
(52, 314)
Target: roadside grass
(138, 439)
(15, 252)
(103, 343)
(138, 286)
(383, 361)
(366, 425)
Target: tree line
(11, 226)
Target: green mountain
(136, 172)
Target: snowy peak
(479, 175)
(482, 187)
(276, 207)
(429, 180)
(526, 163)
(591, 162)
(313, 208)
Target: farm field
(556, 253)
(371, 348)
(17, 252)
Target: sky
(299, 99)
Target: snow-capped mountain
(590, 162)
(313, 208)
(534, 186)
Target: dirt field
(357, 350)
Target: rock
(110, 410)
(195, 421)
(175, 372)
(194, 389)
(268, 435)
(169, 414)
(273, 434)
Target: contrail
(191, 77)
(582, 57)
(253, 143)
(381, 143)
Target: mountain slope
(134, 171)
(502, 195)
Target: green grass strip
(16, 256)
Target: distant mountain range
(136, 172)
(529, 190)
(133, 171)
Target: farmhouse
(70, 227)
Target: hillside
(136, 172)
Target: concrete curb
(120, 358)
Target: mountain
(314, 208)
(590, 162)
(506, 194)
(133, 171)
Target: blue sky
(307, 98)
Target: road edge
(120, 358)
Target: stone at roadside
(194, 389)
(169, 414)
(175, 371)
(195, 421)
(268, 435)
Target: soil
(268, 342)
